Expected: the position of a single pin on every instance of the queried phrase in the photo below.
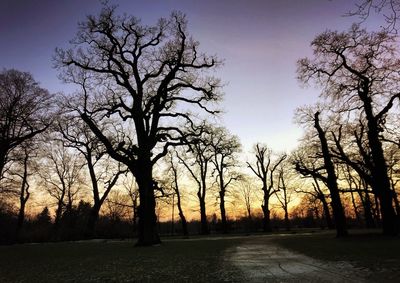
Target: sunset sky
(260, 42)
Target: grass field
(117, 261)
(195, 260)
(378, 254)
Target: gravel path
(261, 260)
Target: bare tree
(174, 183)
(308, 163)
(197, 162)
(225, 148)
(264, 169)
(130, 186)
(359, 73)
(24, 112)
(286, 188)
(61, 173)
(139, 75)
(390, 9)
(246, 192)
(103, 173)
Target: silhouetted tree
(24, 192)
(61, 173)
(174, 183)
(225, 148)
(264, 169)
(25, 110)
(76, 134)
(331, 181)
(139, 75)
(197, 162)
(286, 188)
(390, 10)
(246, 192)
(359, 71)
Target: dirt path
(261, 260)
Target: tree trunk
(3, 155)
(267, 218)
(368, 216)
(92, 220)
(147, 232)
(287, 222)
(337, 208)
(380, 181)
(223, 212)
(203, 217)
(357, 214)
(396, 203)
(24, 196)
(327, 213)
(181, 215)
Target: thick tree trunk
(223, 212)
(380, 181)
(267, 218)
(337, 208)
(147, 230)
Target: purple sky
(259, 40)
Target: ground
(309, 257)
(262, 260)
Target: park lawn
(118, 261)
(366, 249)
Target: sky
(259, 41)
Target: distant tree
(307, 162)
(174, 183)
(24, 192)
(152, 79)
(197, 161)
(246, 193)
(358, 72)
(61, 174)
(287, 182)
(102, 172)
(24, 112)
(44, 218)
(264, 169)
(131, 188)
(225, 148)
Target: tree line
(142, 118)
